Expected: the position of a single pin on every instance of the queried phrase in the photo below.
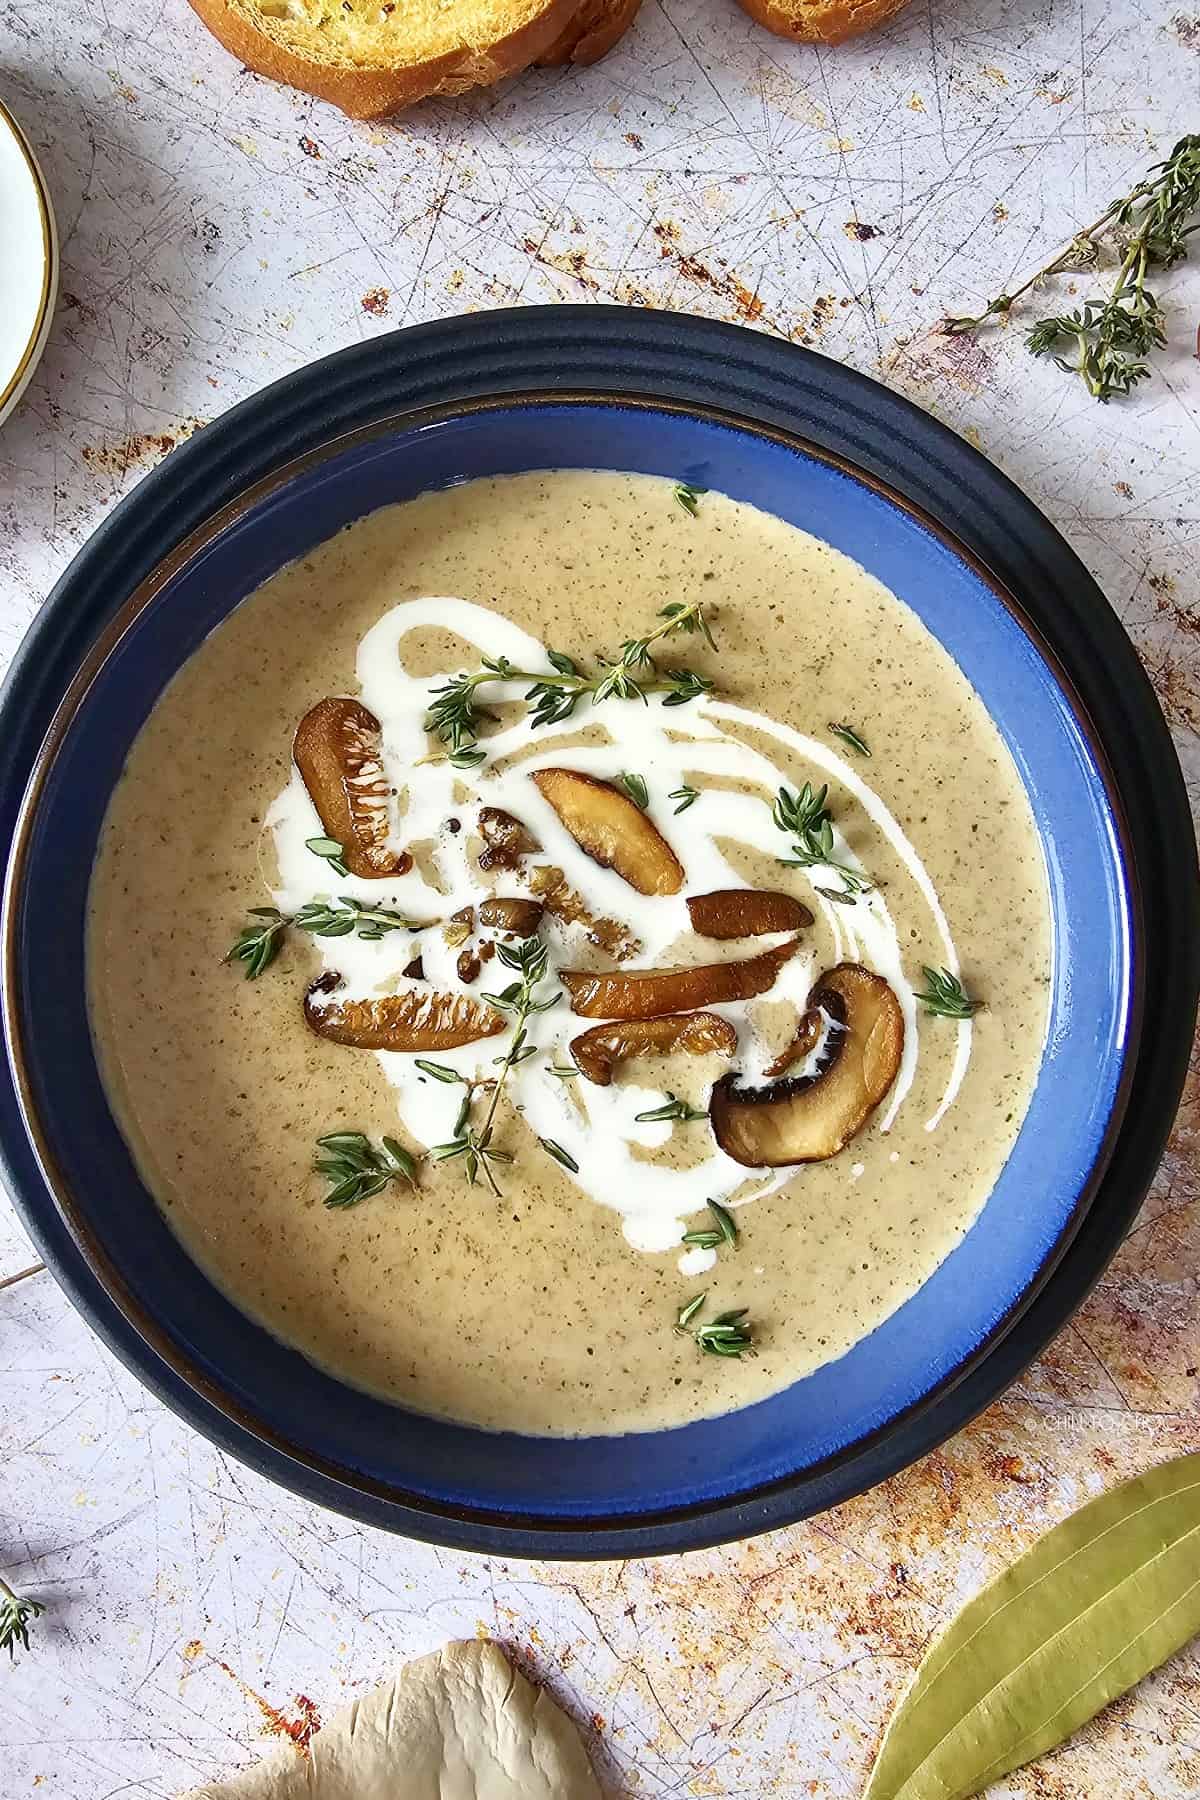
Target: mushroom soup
(647, 941)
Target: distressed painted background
(219, 232)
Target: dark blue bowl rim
(81, 1264)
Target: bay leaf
(1093, 1607)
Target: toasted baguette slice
(371, 57)
(819, 21)
(593, 31)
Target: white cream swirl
(669, 747)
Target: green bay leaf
(1090, 1610)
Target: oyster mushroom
(809, 1118)
(598, 1051)
(411, 1020)
(645, 993)
(614, 832)
(337, 751)
(745, 912)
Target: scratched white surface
(219, 232)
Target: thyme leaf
(635, 787)
(333, 853)
(559, 1154)
(674, 1109)
(849, 736)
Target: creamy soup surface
(551, 1306)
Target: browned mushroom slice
(337, 752)
(459, 926)
(505, 839)
(745, 912)
(509, 912)
(809, 1118)
(598, 1051)
(645, 993)
(563, 903)
(408, 1021)
(614, 832)
(809, 1027)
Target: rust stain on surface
(565, 262)
(299, 1730)
(1002, 1466)
(747, 305)
(375, 301)
(142, 449)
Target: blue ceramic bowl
(949, 1347)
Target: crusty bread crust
(820, 21)
(596, 27)
(374, 93)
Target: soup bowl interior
(436, 1466)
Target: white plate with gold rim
(28, 265)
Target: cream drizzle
(667, 746)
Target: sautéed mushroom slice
(505, 839)
(745, 912)
(598, 1051)
(810, 1118)
(563, 903)
(337, 751)
(612, 830)
(645, 993)
(412, 1020)
(511, 912)
(809, 1029)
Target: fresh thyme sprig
(349, 915)
(675, 1109)
(454, 715)
(803, 812)
(1110, 336)
(710, 1237)
(356, 1169)
(688, 496)
(686, 796)
(521, 998)
(945, 995)
(258, 944)
(16, 1613)
(728, 1334)
(807, 816)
